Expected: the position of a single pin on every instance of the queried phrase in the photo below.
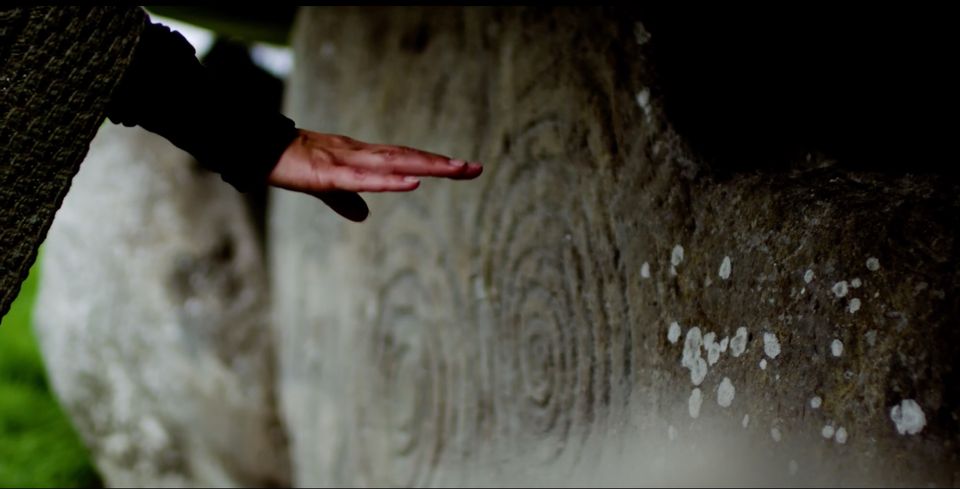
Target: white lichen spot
(641, 33)
(676, 256)
(691, 356)
(673, 333)
(854, 305)
(841, 435)
(771, 345)
(873, 264)
(908, 417)
(724, 343)
(856, 283)
(746, 421)
(698, 372)
(709, 339)
(712, 347)
(816, 402)
(763, 364)
(725, 393)
(871, 337)
(643, 101)
(645, 270)
(671, 433)
(808, 276)
(739, 342)
(725, 268)
(836, 347)
(840, 288)
(827, 431)
(793, 467)
(713, 354)
(692, 345)
(696, 400)
(776, 435)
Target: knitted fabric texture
(58, 69)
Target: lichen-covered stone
(525, 316)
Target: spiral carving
(403, 386)
(481, 318)
(550, 331)
(520, 345)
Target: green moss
(38, 445)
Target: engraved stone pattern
(467, 324)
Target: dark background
(759, 87)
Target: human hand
(334, 168)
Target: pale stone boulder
(152, 318)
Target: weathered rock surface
(600, 307)
(525, 316)
(152, 318)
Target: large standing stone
(525, 316)
(152, 317)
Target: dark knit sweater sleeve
(167, 91)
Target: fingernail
(457, 162)
(411, 179)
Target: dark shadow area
(760, 87)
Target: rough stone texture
(467, 324)
(152, 320)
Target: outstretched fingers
(334, 168)
(401, 160)
(361, 180)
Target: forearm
(167, 91)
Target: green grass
(38, 445)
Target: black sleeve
(167, 91)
